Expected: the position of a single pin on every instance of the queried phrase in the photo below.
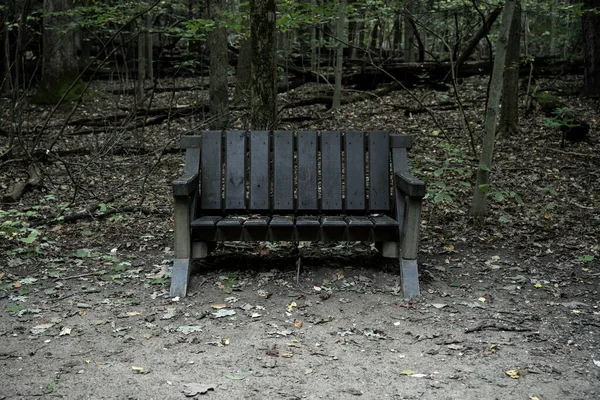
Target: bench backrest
(305, 172)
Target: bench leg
(409, 273)
(388, 249)
(180, 277)
(183, 247)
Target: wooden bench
(297, 186)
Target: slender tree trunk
(509, 112)
(149, 47)
(339, 53)
(141, 62)
(479, 204)
(60, 54)
(410, 53)
(591, 35)
(217, 44)
(264, 68)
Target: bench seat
(324, 228)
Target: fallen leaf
(298, 324)
(538, 285)
(291, 306)
(481, 299)
(223, 313)
(192, 389)
(17, 284)
(225, 342)
(287, 355)
(597, 363)
(65, 331)
(513, 373)
(406, 372)
(36, 330)
(139, 370)
(187, 329)
(218, 306)
(439, 305)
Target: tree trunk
(509, 112)
(60, 54)
(339, 59)
(264, 68)
(591, 32)
(141, 62)
(410, 53)
(149, 47)
(479, 204)
(217, 44)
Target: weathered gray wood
(333, 228)
(259, 171)
(210, 189)
(385, 228)
(230, 228)
(180, 277)
(281, 228)
(256, 228)
(205, 228)
(411, 227)
(410, 184)
(379, 171)
(182, 218)
(235, 170)
(307, 228)
(389, 249)
(199, 250)
(283, 171)
(192, 160)
(186, 184)
(307, 171)
(359, 228)
(191, 142)
(409, 273)
(401, 141)
(331, 171)
(354, 145)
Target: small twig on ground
(64, 278)
(497, 327)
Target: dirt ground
(95, 328)
(510, 306)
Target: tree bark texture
(591, 38)
(264, 68)
(509, 114)
(339, 59)
(479, 204)
(410, 51)
(60, 53)
(217, 43)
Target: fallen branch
(496, 327)
(33, 180)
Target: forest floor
(510, 305)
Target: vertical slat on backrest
(354, 147)
(283, 170)
(210, 190)
(235, 169)
(259, 170)
(307, 171)
(331, 171)
(379, 171)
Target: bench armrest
(186, 184)
(410, 184)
